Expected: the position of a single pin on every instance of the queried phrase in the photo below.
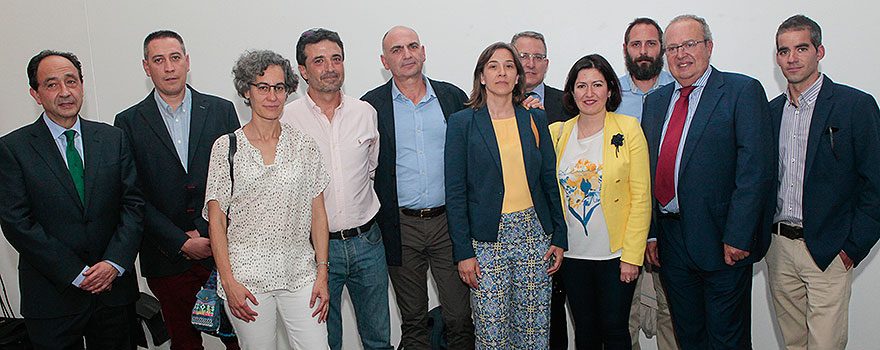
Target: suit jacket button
(616, 200)
(618, 181)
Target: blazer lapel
(385, 109)
(654, 130)
(92, 154)
(149, 112)
(446, 103)
(198, 118)
(819, 123)
(45, 146)
(527, 138)
(484, 125)
(610, 154)
(708, 99)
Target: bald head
(402, 53)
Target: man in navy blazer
(412, 113)
(70, 207)
(533, 55)
(827, 214)
(171, 133)
(709, 143)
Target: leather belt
(352, 232)
(424, 213)
(673, 216)
(788, 231)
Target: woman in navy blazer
(504, 212)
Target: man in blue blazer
(709, 141)
(827, 214)
(70, 207)
(412, 113)
(171, 133)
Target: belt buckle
(423, 213)
(342, 235)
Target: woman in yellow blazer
(604, 181)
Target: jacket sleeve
(639, 220)
(456, 174)
(866, 212)
(125, 243)
(549, 182)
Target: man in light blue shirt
(643, 53)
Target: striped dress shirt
(793, 134)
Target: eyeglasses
(688, 46)
(536, 56)
(264, 89)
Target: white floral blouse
(270, 210)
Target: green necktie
(75, 165)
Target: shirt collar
(314, 106)
(701, 82)
(429, 90)
(539, 90)
(57, 131)
(186, 102)
(809, 95)
(627, 83)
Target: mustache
(645, 58)
(330, 75)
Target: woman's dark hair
(587, 62)
(478, 94)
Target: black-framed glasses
(264, 89)
(687, 46)
(536, 56)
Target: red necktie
(664, 179)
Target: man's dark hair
(801, 22)
(161, 34)
(313, 36)
(35, 63)
(644, 20)
(602, 65)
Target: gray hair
(252, 64)
(707, 34)
(529, 34)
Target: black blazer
(55, 233)
(553, 105)
(452, 100)
(841, 187)
(174, 197)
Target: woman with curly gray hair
(268, 227)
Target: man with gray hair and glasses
(533, 55)
(710, 148)
(826, 218)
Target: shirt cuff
(652, 239)
(79, 279)
(117, 267)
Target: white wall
(107, 36)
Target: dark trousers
(104, 327)
(426, 244)
(599, 302)
(711, 310)
(558, 323)
(177, 295)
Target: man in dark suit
(70, 207)
(412, 113)
(533, 55)
(709, 142)
(827, 214)
(171, 133)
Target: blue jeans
(359, 264)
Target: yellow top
(516, 188)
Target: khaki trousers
(665, 333)
(812, 306)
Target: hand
(197, 248)
(847, 262)
(99, 278)
(237, 296)
(320, 291)
(193, 234)
(555, 253)
(651, 253)
(532, 102)
(469, 271)
(628, 272)
(732, 255)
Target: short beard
(640, 72)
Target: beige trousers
(812, 306)
(646, 291)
